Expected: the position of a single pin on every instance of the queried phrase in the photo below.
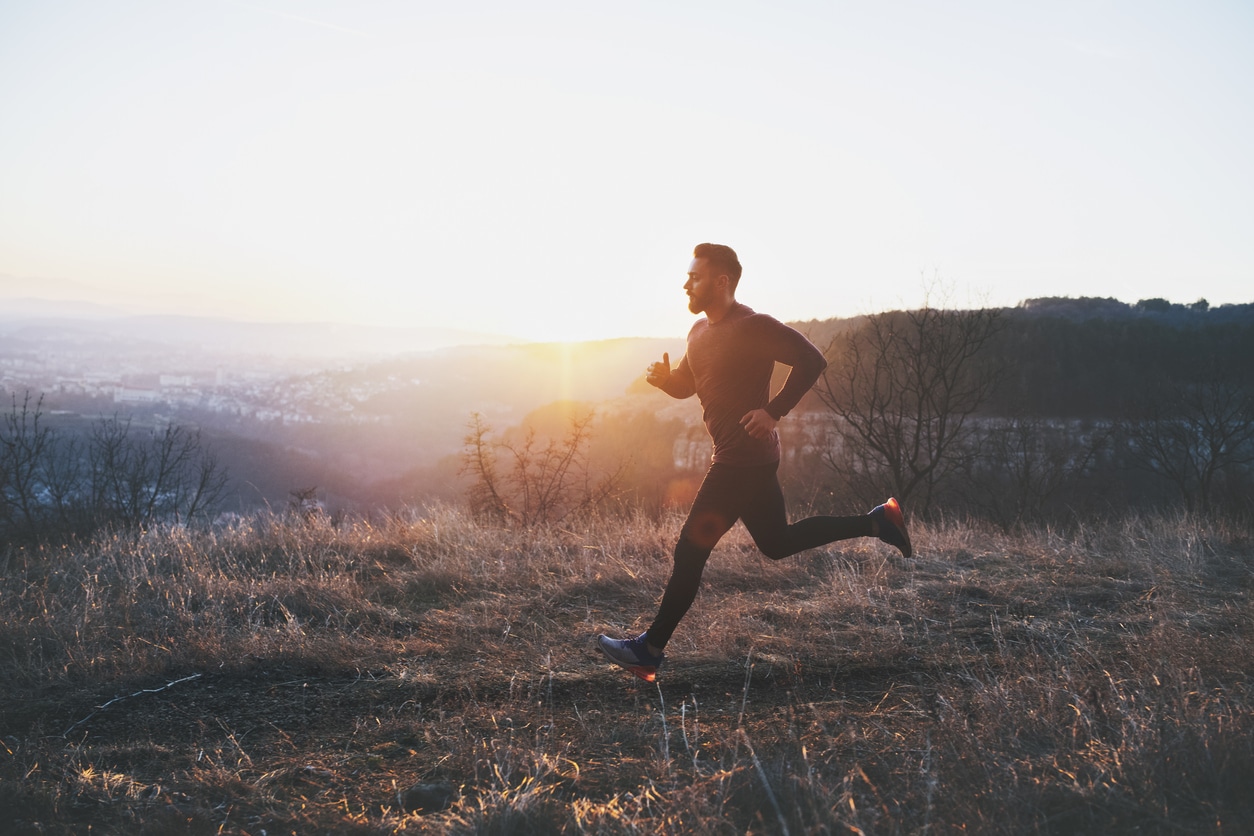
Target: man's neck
(717, 310)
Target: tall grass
(298, 676)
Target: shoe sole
(646, 672)
(892, 512)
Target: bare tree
(1192, 434)
(64, 478)
(59, 483)
(532, 479)
(902, 390)
(24, 443)
(479, 461)
(164, 474)
(205, 483)
(303, 504)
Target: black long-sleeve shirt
(728, 365)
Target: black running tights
(752, 495)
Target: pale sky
(544, 169)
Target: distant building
(131, 394)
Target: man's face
(702, 285)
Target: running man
(728, 363)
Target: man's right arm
(677, 382)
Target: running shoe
(892, 526)
(632, 654)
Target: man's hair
(722, 257)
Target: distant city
(286, 395)
(290, 407)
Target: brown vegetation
(294, 676)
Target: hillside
(436, 675)
(378, 430)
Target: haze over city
(543, 172)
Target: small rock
(427, 798)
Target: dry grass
(293, 677)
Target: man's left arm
(805, 363)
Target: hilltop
(430, 673)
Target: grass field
(288, 677)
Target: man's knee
(772, 540)
(690, 555)
(775, 549)
(705, 528)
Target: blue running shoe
(632, 654)
(891, 526)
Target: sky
(543, 170)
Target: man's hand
(659, 373)
(758, 423)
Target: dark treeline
(1099, 358)
(1057, 410)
